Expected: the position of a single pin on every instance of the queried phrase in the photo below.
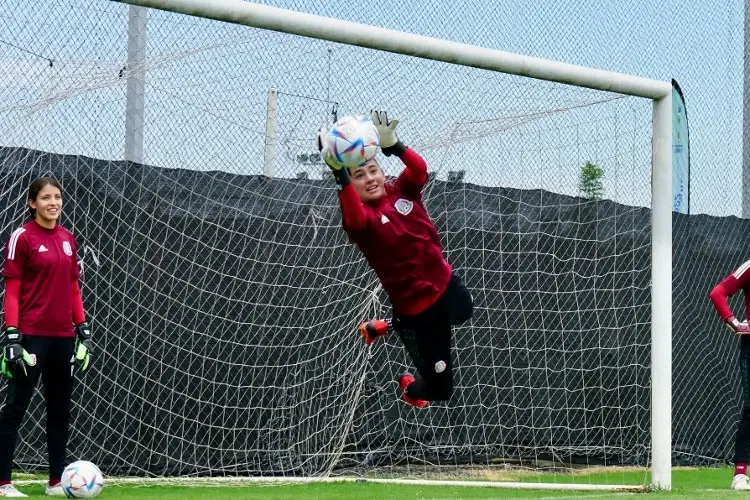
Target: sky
(207, 85)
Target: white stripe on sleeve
(741, 270)
(13, 242)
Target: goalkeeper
(391, 227)
(738, 280)
(42, 304)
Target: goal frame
(660, 92)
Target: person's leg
(20, 391)
(435, 380)
(434, 340)
(408, 338)
(742, 442)
(427, 338)
(57, 379)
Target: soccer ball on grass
(82, 479)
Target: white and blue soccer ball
(82, 479)
(353, 141)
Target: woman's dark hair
(37, 186)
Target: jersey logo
(42, 248)
(404, 206)
(67, 249)
(384, 219)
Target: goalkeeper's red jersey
(401, 243)
(44, 260)
(738, 280)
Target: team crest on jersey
(404, 206)
(67, 248)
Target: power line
(334, 108)
(28, 52)
(307, 97)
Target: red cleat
(371, 330)
(403, 382)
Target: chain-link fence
(69, 62)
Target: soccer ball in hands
(353, 141)
(82, 479)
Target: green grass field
(708, 483)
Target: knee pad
(462, 308)
(460, 301)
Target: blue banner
(680, 153)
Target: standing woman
(46, 333)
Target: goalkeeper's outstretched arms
(363, 189)
(738, 280)
(353, 216)
(414, 176)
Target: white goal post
(297, 23)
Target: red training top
(738, 280)
(399, 240)
(42, 296)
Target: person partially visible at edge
(738, 280)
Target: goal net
(224, 296)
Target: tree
(590, 183)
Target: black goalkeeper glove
(389, 142)
(14, 357)
(84, 347)
(340, 173)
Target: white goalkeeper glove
(737, 326)
(389, 142)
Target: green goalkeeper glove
(84, 347)
(14, 357)
(340, 173)
(389, 142)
